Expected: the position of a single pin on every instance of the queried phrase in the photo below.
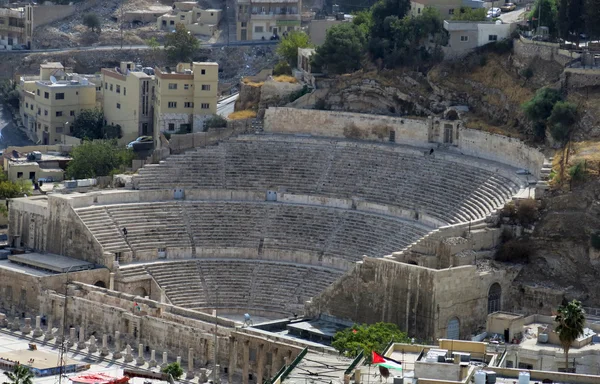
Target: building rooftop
(52, 65)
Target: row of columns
(279, 357)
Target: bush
(351, 131)
(526, 73)
(527, 211)
(299, 93)
(215, 121)
(92, 21)
(174, 369)
(282, 68)
(562, 118)
(509, 210)
(514, 251)
(578, 171)
(366, 338)
(322, 105)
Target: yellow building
(128, 99)
(33, 163)
(51, 101)
(261, 19)
(196, 20)
(15, 31)
(184, 98)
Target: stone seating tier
(268, 226)
(450, 191)
(240, 284)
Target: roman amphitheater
(322, 215)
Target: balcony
(275, 16)
(12, 28)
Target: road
(225, 106)
(513, 16)
(116, 47)
(10, 135)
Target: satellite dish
(53, 79)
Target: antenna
(53, 79)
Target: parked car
(493, 12)
(507, 7)
(45, 179)
(141, 139)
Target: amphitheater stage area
(239, 318)
(41, 363)
(51, 262)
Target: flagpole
(369, 375)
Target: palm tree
(571, 320)
(20, 375)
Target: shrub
(215, 121)
(381, 131)
(282, 68)
(526, 73)
(92, 21)
(322, 105)
(578, 171)
(527, 211)
(245, 114)
(561, 119)
(299, 93)
(285, 79)
(509, 210)
(514, 251)
(351, 131)
(174, 369)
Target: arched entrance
(140, 291)
(100, 284)
(495, 298)
(453, 330)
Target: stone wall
(574, 78)
(419, 300)
(182, 143)
(530, 50)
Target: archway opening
(495, 298)
(140, 291)
(100, 284)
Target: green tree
(154, 46)
(569, 20)
(539, 108)
(98, 158)
(181, 45)
(470, 14)
(288, 46)
(547, 17)
(591, 17)
(561, 119)
(364, 19)
(88, 124)
(19, 375)
(92, 21)
(350, 342)
(342, 51)
(174, 369)
(383, 12)
(216, 121)
(571, 320)
(282, 68)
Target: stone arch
(100, 284)
(412, 262)
(494, 298)
(140, 291)
(453, 328)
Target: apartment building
(447, 8)
(15, 28)
(128, 99)
(196, 20)
(261, 19)
(51, 101)
(184, 98)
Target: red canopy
(99, 378)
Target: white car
(493, 12)
(141, 139)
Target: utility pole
(121, 24)
(539, 16)
(215, 373)
(63, 344)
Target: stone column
(93, 347)
(16, 325)
(81, 343)
(111, 281)
(260, 363)
(50, 331)
(26, 328)
(164, 361)
(163, 296)
(72, 337)
(140, 359)
(218, 375)
(179, 360)
(152, 362)
(202, 378)
(128, 355)
(104, 350)
(3, 321)
(117, 353)
(232, 357)
(190, 372)
(245, 361)
(37, 332)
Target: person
(124, 231)
(431, 151)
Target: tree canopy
(342, 51)
(571, 320)
(470, 14)
(367, 338)
(92, 21)
(19, 375)
(174, 369)
(89, 125)
(547, 17)
(288, 46)
(98, 158)
(181, 44)
(548, 110)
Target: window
(111, 87)
(46, 95)
(464, 39)
(204, 105)
(39, 111)
(494, 298)
(244, 24)
(188, 104)
(172, 22)
(59, 129)
(19, 175)
(206, 87)
(419, 10)
(38, 92)
(203, 71)
(124, 91)
(72, 113)
(172, 104)
(45, 112)
(26, 105)
(46, 128)
(32, 107)
(259, 29)
(186, 86)
(105, 85)
(172, 85)
(58, 113)
(182, 17)
(451, 11)
(171, 126)
(493, 38)
(212, 13)
(59, 96)
(118, 105)
(118, 89)
(198, 14)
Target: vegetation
(342, 51)
(561, 119)
(547, 110)
(527, 211)
(10, 189)
(181, 44)
(299, 93)
(288, 46)
(571, 320)
(513, 250)
(547, 17)
(89, 125)
(98, 158)
(285, 79)
(174, 369)
(19, 375)
(282, 68)
(578, 171)
(366, 338)
(215, 121)
(240, 115)
(470, 14)
(92, 21)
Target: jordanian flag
(385, 362)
